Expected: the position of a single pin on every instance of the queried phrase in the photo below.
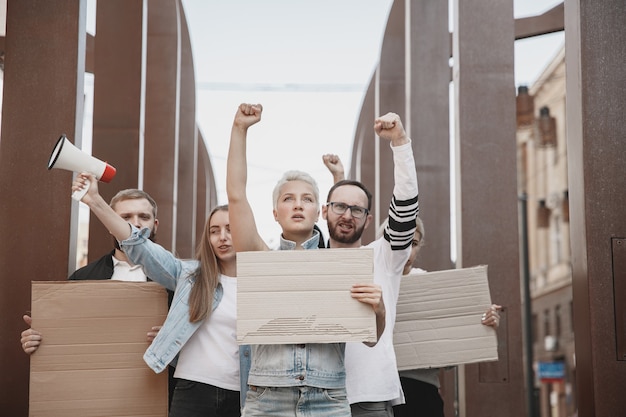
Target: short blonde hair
(295, 176)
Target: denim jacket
(314, 364)
(174, 274)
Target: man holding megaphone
(138, 208)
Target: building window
(557, 321)
(565, 206)
(546, 322)
(556, 238)
(534, 328)
(543, 215)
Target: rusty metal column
(206, 191)
(43, 97)
(203, 186)
(486, 206)
(595, 81)
(429, 116)
(422, 101)
(429, 128)
(384, 94)
(188, 160)
(118, 120)
(162, 114)
(390, 97)
(362, 164)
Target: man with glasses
(372, 381)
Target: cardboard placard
(303, 296)
(90, 361)
(438, 321)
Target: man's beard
(352, 237)
(152, 237)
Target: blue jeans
(296, 402)
(195, 399)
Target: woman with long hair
(199, 333)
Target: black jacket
(100, 269)
(103, 269)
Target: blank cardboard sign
(438, 319)
(90, 362)
(303, 296)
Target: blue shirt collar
(310, 243)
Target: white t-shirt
(372, 372)
(123, 271)
(211, 355)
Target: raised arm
(334, 165)
(243, 228)
(117, 226)
(389, 127)
(404, 204)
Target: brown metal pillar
(162, 114)
(486, 209)
(385, 92)
(429, 128)
(595, 82)
(362, 165)
(426, 119)
(188, 159)
(206, 192)
(118, 102)
(42, 98)
(422, 101)
(390, 98)
(203, 187)
(429, 116)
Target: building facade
(543, 178)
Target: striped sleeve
(401, 225)
(404, 203)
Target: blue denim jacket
(318, 365)
(174, 274)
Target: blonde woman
(300, 379)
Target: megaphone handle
(79, 194)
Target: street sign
(551, 371)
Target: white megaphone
(67, 156)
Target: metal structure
(143, 123)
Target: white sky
(308, 63)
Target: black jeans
(372, 409)
(195, 399)
(422, 399)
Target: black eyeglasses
(357, 212)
